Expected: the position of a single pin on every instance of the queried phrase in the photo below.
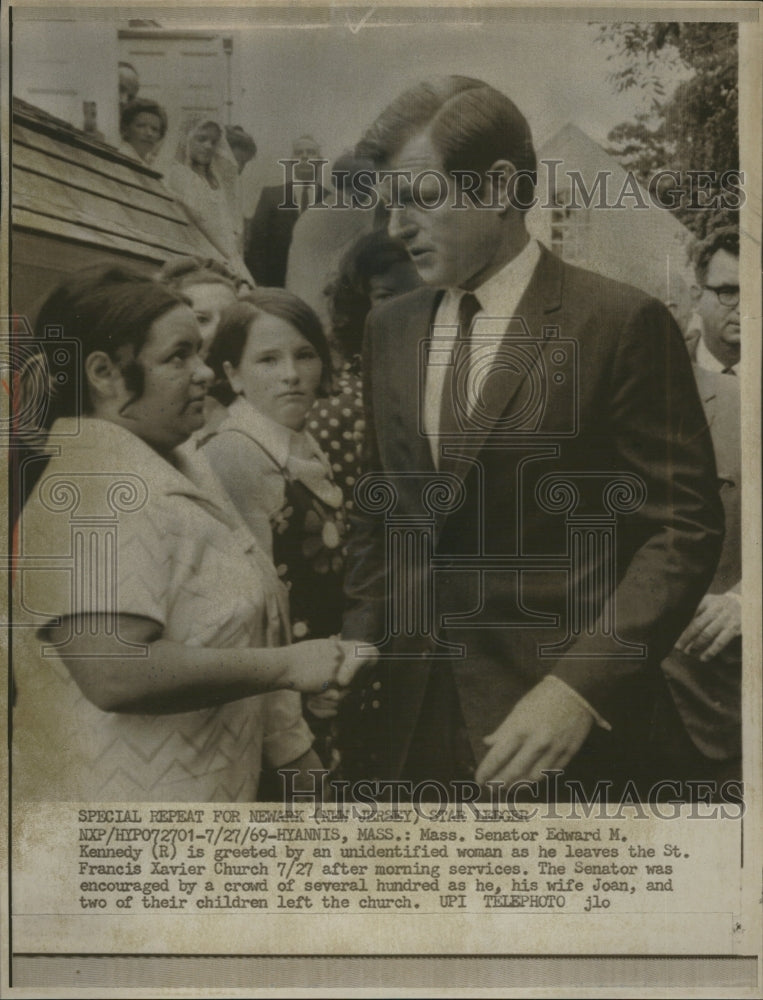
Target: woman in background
(210, 287)
(142, 125)
(172, 676)
(204, 178)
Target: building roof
(72, 186)
(579, 151)
(645, 247)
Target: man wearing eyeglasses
(697, 733)
(716, 298)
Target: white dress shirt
(498, 297)
(706, 359)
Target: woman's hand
(132, 669)
(316, 665)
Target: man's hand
(326, 705)
(717, 621)
(545, 730)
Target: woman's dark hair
(108, 309)
(138, 106)
(232, 334)
(348, 294)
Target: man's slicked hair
(471, 125)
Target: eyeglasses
(728, 295)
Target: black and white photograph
(383, 437)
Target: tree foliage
(688, 74)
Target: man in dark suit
(523, 606)
(697, 732)
(269, 238)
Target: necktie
(728, 371)
(303, 197)
(468, 308)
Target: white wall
(58, 64)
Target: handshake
(324, 669)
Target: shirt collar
(500, 290)
(277, 440)
(86, 441)
(707, 360)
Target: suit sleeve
(260, 239)
(670, 545)
(366, 573)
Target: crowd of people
(261, 617)
(202, 170)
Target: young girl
(271, 352)
(272, 359)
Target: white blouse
(180, 556)
(252, 455)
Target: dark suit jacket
(267, 250)
(708, 695)
(608, 392)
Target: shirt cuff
(602, 723)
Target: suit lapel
(718, 399)
(520, 357)
(707, 393)
(406, 355)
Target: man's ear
(695, 293)
(502, 184)
(103, 376)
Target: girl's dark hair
(348, 294)
(232, 333)
(108, 309)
